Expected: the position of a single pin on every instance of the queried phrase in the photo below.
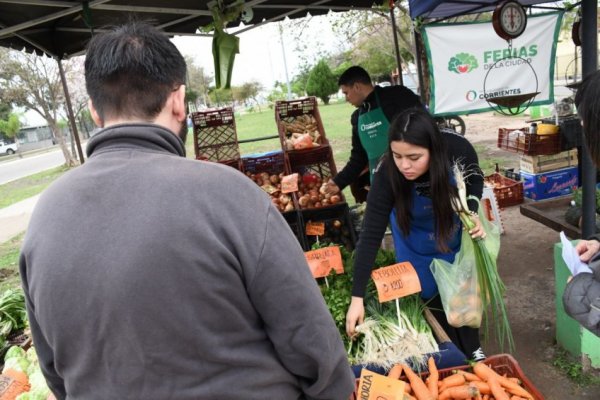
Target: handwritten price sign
(374, 386)
(396, 281)
(315, 228)
(289, 183)
(322, 261)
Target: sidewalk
(15, 218)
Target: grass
(9, 263)
(574, 369)
(488, 160)
(24, 188)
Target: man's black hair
(354, 75)
(131, 70)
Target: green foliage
(321, 82)
(578, 197)
(462, 63)
(10, 126)
(220, 97)
(24, 188)
(574, 370)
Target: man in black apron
(376, 107)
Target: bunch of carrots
(483, 384)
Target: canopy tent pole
(70, 110)
(396, 47)
(420, 70)
(589, 63)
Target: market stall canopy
(62, 28)
(447, 9)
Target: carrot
(515, 380)
(434, 376)
(483, 387)
(407, 388)
(418, 386)
(452, 380)
(469, 377)
(516, 398)
(486, 397)
(486, 373)
(459, 393)
(497, 390)
(395, 372)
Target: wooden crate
(531, 144)
(300, 111)
(215, 136)
(546, 163)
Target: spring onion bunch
(389, 338)
(491, 287)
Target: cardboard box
(550, 184)
(539, 164)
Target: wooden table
(551, 213)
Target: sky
(261, 55)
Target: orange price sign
(315, 228)
(322, 261)
(289, 183)
(373, 386)
(396, 281)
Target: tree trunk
(60, 138)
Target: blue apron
(419, 247)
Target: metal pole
(419, 65)
(70, 110)
(396, 47)
(287, 78)
(589, 63)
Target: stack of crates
(547, 169)
(316, 163)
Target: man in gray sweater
(151, 276)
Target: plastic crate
(294, 221)
(531, 144)
(215, 136)
(570, 131)
(288, 112)
(344, 234)
(500, 363)
(272, 164)
(318, 162)
(508, 192)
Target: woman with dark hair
(412, 189)
(581, 298)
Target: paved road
(28, 165)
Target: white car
(8, 148)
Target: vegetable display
(271, 184)
(301, 133)
(458, 384)
(491, 287)
(311, 192)
(23, 366)
(13, 315)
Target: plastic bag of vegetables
(458, 286)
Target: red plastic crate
(289, 112)
(501, 363)
(508, 192)
(319, 162)
(215, 136)
(531, 144)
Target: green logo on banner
(462, 63)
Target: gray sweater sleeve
(286, 295)
(45, 355)
(581, 298)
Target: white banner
(460, 56)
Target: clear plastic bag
(458, 283)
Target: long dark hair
(588, 108)
(417, 127)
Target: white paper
(571, 257)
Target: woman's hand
(355, 315)
(586, 249)
(477, 231)
(331, 188)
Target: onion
(335, 199)
(303, 201)
(284, 199)
(337, 224)
(289, 206)
(314, 198)
(274, 179)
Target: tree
(34, 82)
(248, 91)
(321, 82)
(197, 85)
(10, 126)
(220, 97)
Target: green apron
(373, 134)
